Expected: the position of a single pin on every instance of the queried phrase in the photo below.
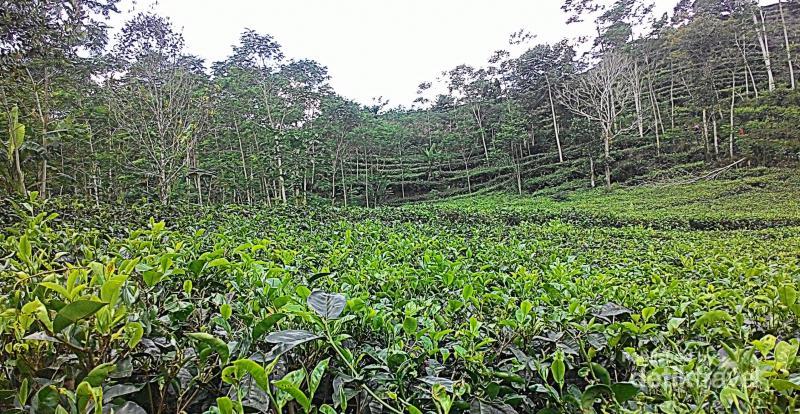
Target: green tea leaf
(410, 325)
(74, 312)
(266, 324)
(624, 391)
(600, 373)
(712, 318)
(592, 393)
(558, 368)
(316, 376)
(226, 311)
(225, 405)
(787, 295)
(215, 343)
(98, 374)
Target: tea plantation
(671, 299)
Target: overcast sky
(371, 47)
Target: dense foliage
(433, 308)
(712, 82)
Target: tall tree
(602, 95)
(158, 100)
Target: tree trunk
(656, 116)
(279, 163)
(672, 99)
(44, 119)
(344, 183)
(761, 31)
(705, 130)
(555, 121)
(788, 46)
(21, 189)
(591, 170)
(402, 176)
(244, 165)
(637, 100)
(163, 186)
(607, 155)
(476, 112)
(733, 106)
(742, 48)
(466, 167)
(366, 178)
(716, 134)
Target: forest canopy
(137, 117)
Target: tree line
(139, 117)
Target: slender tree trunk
(466, 167)
(743, 49)
(788, 46)
(402, 175)
(95, 186)
(244, 165)
(518, 167)
(44, 119)
(705, 130)
(761, 31)
(637, 99)
(672, 99)
(476, 112)
(555, 120)
(607, 154)
(279, 164)
(656, 115)
(716, 134)
(733, 106)
(344, 183)
(266, 190)
(21, 189)
(366, 178)
(591, 170)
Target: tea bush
(602, 302)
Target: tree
(788, 45)
(158, 101)
(472, 88)
(40, 43)
(602, 95)
(512, 138)
(536, 74)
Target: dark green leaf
(266, 324)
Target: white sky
(371, 47)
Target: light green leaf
(711, 318)
(135, 333)
(225, 405)
(787, 295)
(217, 344)
(316, 376)
(558, 368)
(96, 376)
(226, 311)
(600, 373)
(410, 325)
